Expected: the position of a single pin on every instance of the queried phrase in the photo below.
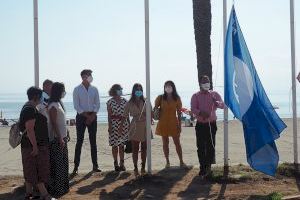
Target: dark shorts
(36, 169)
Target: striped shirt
(86, 100)
(206, 102)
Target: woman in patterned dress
(115, 109)
(59, 161)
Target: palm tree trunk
(202, 28)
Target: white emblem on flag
(242, 85)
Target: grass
(242, 173)
(272, 196)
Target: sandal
(117, 168)
(136, 172)
(48, 197)
(27, 196)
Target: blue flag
(247, 99)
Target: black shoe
(96, 169)
(117, 168)
(202, 172)
(75, 171)
(122, 168)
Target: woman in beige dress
(136, 108)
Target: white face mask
(168, 90)
(90, 79)
(205, 86)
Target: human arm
(218, 100)
(179, 114)
(109, 113)
(76, 101)
(29, 127)
(53, 121)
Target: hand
(179, 128)
(61, 142)
(35, 151)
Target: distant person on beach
(115, 109)
(59, 162)
(34, 145)
(87, 104)
(136, 108)
(204, 105)
(169, 124)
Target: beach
(11, 164)
(173, 183)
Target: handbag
(128, 147)
(157, 110)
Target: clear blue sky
(108, 37)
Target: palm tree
(202, 29)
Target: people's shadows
(73, 181)
(17, 194)
(224, 183)
(110, 177)
(198, 188)
(155, 186)
(201, 187)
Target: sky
(107, 36)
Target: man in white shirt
(86, 103)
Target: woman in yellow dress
(169, 124)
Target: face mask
(205, 86)
(90, 79)
(63, 94)
(168, 90)
(138, 93)
(119, 92)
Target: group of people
(44, 144)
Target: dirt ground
(175, 183)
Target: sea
(11, 104)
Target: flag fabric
(247, 99)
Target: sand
(10, 162)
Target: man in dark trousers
(86, 103)
(204, 105)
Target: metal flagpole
(36, 43)
(225, 109)
(293, 61)
(148, 100)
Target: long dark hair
(56, 93)
(175, 95)
(135, 87)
